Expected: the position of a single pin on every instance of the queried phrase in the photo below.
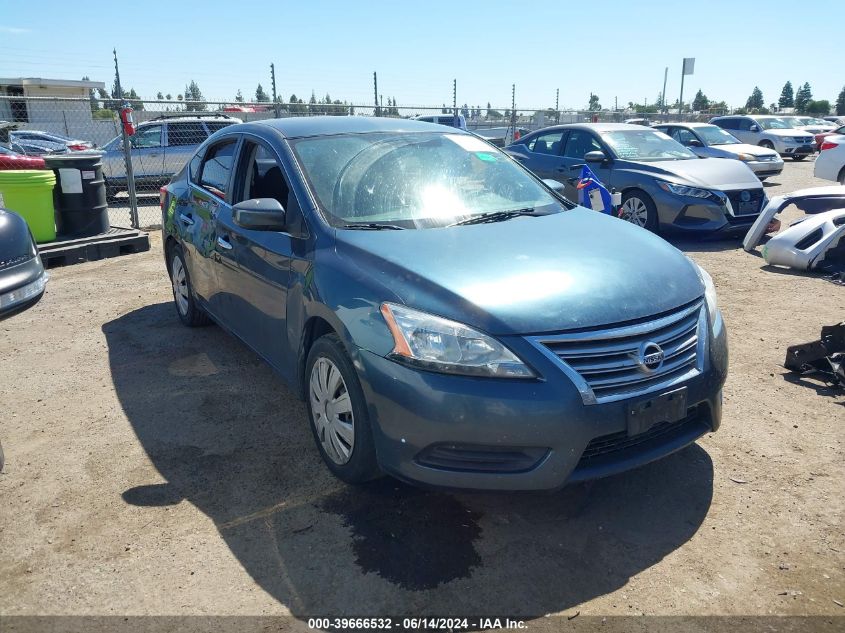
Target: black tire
(651, 210)
(767, 144)
(798, 157)
(183, 294)
(361, 465)
(111, 193)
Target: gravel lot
(153, 469)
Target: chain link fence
(168, 133)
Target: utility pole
(663, 94)
(273, 83)
(616, 104)
(557, 105)
(377, 111)
(127, 154)
(455, 96)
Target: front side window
(776, 124)
(579, 143)
(645, 145)
(149, 136)
(261, 176)
(416, 180)
(713, 135)
(217, 167)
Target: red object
(77, 148)
(828, 145)
(127, 120)
(19, 161)
(162, 197)
(820, 138)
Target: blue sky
(614, 49)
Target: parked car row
(830, 163)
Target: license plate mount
(666, 407)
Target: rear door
(183, 137)
(543, 155)
(209, 198)
(578, 143)
(256, 294)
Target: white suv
(769, 131)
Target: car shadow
(705, 243)
(229, 437)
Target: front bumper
(684, 214)
(550, 437)
(765, 169)
(797, 150)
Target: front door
(256, 297)
(580, 142)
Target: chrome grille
(606, 364)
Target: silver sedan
(711, 141)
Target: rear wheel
(338, 412)
(183, 295)
(638, 208)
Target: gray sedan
(711, 141)
(663, 184)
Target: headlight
(746, 157)
(709, 294)
(24, 293)
(683, 190)
(431, 342)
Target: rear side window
(744, 124)
(217, 167)
(546, 143)
(191, 133)
(214, 126)
(727, 124)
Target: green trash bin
(29, 192)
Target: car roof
(684, 124)
(295, 127)
(190, 119)
(598, 127)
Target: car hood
(743, 148)
(528, 275)
(711, 173)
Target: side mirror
(554, 185)
(694, 143)
(595, 156)
(755, 128)
(260, 214)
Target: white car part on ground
(808, 241)
(813, 200)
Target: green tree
(803, 97)
(700, 102)
(92, 96)
(840, 103)
(755, 101)
(260, 95)
(312, 104)
(821, 107)
(239, 97)
(787, 99)
(719, 107)
(195, 102)
(594, 105)
(160, 96)
(168, 96)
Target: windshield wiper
(374, 226)
(496, 216)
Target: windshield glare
(645, 145)
(714, 135)
(422, 180)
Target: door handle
(187, 220)
(224, 243)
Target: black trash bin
(80, 194)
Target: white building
(68, 109)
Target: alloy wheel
(331, 411)
(635, 211)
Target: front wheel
(797, 157)
(338, 412)
(767, 144)
(183, 295)
(638, 208)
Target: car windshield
(645, 145)
(415, 181)
(782, 123)
(714, 135)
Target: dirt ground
(153, 469)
